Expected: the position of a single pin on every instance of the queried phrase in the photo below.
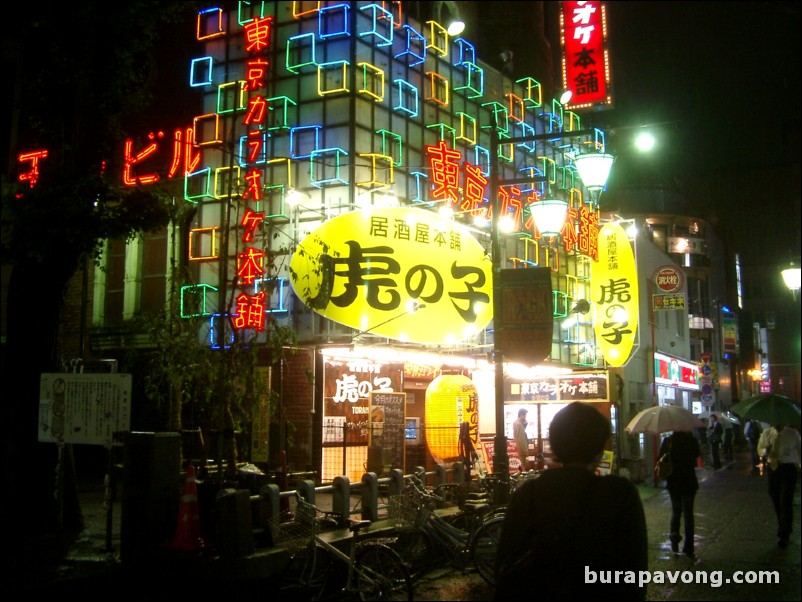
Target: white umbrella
(725, 418)
(663, 419)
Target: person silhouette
(568, 531)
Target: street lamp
(597, 167)
(791, 277)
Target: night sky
(720, 81)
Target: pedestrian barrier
(269, 507)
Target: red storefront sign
(585, 58)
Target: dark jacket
(563, 521)
(684, 454)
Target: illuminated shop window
(381, 22)
(414, 47)
(200, 71)
(406, 98)
(332, 21)
(301, 53)
(332, 77)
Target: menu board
(387, 424)
(488, 451)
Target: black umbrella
(769, 407)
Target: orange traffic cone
(187, 534)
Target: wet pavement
(735, 531)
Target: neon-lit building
(340, 175)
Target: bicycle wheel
(306, 575)
(484, 546)
(380, 573)
(416, 549)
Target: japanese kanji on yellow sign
(614, 286)
(361, 268)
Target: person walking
(715, 433)
(568, 532)
(781, 446)
(521, 440)
(682, 485)
(752, 432)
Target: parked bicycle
(373, 570)
(427, 538)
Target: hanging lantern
(451, 399)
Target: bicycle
(469, 538)
(374, 570)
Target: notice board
(387, 424)
(84, 408)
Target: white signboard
(84, 408)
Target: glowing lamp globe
(451, 399)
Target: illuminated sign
(615, 292)
(586, 64)
(675, 372)
(361, 269)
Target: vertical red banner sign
(586, 69)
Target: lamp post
(595, 186)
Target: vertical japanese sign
(614, 285)
(586, 63)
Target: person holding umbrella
(715, 433)
(682, 486)
(781, 445)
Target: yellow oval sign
(367, 269)
(615, 293)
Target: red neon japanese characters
(32, 175)
(585, 60)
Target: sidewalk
(735, 531)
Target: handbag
(664, 465)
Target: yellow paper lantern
(451, 399)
